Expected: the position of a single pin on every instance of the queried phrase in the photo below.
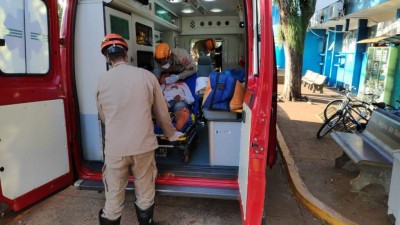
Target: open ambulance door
(34, 148)
(257, 149)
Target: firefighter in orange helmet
(127, 97)
(175, 61)
(203, 47)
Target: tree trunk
(293, 68)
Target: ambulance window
(24, 33)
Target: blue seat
(204, 67)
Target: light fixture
(175, 1)
(209, 0)
(216, 10)
(187, 10)
(198, 6)
(162, 11)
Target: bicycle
(332, 106)
(352, 117)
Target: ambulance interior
(216, 151)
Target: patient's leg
(181, 117)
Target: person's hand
(176, 136)
(177, 98)
(172, 79)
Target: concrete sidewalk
(324, 189)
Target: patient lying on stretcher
(178, 97)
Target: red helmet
(210, 44)
(115, 40)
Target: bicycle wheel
(355, 119)
(331, 108)
(329, 124)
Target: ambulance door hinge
(62, 41)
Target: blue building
(354, 42)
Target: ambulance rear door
(34, 148)
(257, 150)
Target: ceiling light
(215, 10)
(175, 1)
(162, 11)
(209, 0)
(188, 10)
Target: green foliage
(295, 16)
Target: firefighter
(203, 47)
(126, 98)
(176, 61)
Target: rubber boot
(145, 217)
(105, 221)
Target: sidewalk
(314, 159)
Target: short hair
(116, 56)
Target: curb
(302, 193)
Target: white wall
(323, 3)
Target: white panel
(89, 62)
(89, 65)
(244, 158)
(33, 147)
(224, 141)
(12, 55)
(193, 25)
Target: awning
(386, 39)
(372, 40)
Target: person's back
(126, 93)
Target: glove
(176, 136)
(172, 79)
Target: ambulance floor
(199, 155)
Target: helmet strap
(108, 61)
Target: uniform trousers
(116, 171)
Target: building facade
(354, 42)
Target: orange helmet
(162, 53)
(210, 44)
(113, 39)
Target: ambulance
(50, 133)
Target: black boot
(145, 217)
(105, 221)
